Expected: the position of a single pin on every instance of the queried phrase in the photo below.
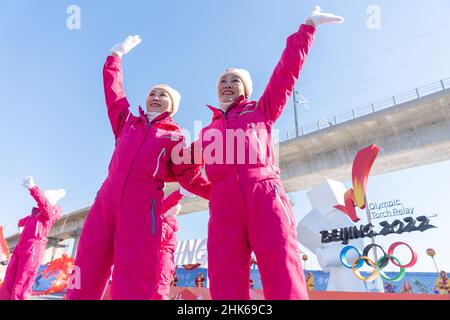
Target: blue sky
(54, 118)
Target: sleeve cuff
(111, 59)
(307, 28)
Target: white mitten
(318, 17)
(28, 182)
(124, 47)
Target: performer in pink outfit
(171, 208)
(123, 227)
(30, 249)
(249, 209)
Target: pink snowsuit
(123, 227)
(168, 246)
(30, 249)
(249, 209)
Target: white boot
(318, 17)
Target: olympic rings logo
(380, 264)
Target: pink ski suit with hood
(123, 227)
(28, 253)
(249, 209)
(168, 246)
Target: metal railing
(353, 114)
(77, 208)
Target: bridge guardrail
(353, 114)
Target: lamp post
(294, 95)
(431, 253)
(303, 101)
(304, 258)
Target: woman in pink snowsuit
(123, 227)
(249, 209)
(30, 249)
(171, 208)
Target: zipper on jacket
(153, 217)
(161, 154)
(282, 204)
(260, 149)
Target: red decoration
(62, 269)
(360, 175)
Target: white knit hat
(244, 75)
(175, 96)
(53, 196)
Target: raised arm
(43, 204)
(116, 100)
(287, 71)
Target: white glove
(186, 193)
(124, 47)
(318, 17)
(28, 182)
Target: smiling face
(158, 100)
(230, 87)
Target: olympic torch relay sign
(389, 209)
(356, 197)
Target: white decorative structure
(322, 217)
